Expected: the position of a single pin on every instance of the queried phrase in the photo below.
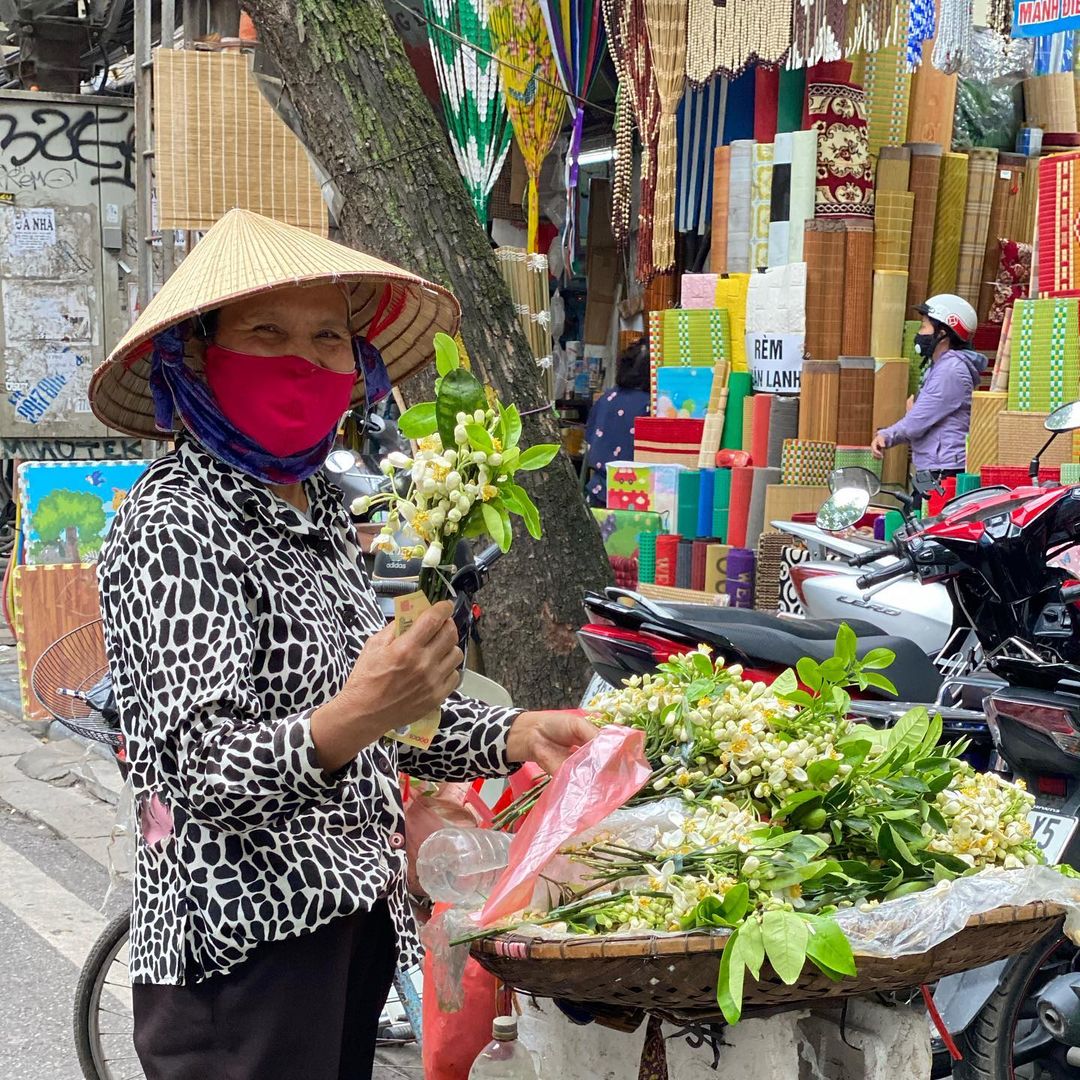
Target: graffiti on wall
(52, 147)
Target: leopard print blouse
(229, 617)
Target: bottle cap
(504, 1028)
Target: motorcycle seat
(784, 642)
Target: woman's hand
(548, 738)
(395, 681)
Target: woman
(610, 431)
(252, 671)
(937, 421)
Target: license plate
(1052, 832)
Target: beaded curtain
(471, 93)
(628, 40)
(576, 30)
(530, 82)
(725, 38)
(666, 20)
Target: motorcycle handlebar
(872, 555)
(868, 581)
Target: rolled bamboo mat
(660, 293)
(891, 290)
(759, 444)
(712, 434)
(933, 102)
(819, 400)
(783, 425)
(858, 287)
(1059, 208)
(784, 501)
(755, 521)
(1009, 166)
(982, 442)
(748, 424)
(803, 189)
(770, 566)
(721, 179)
(742, 482)
(682, 596)
(915, 377)
(824, 247)
(925, 179)
(740, 172)
(760, 205)
(982, 170)
(893, 169)
(1003, 361)
(948, 223)
(1050, 102)
(892, 230)
(855, 413)
(890, 404)
(806, 462)
(1021, 436)
(887, 82)
(739, 388)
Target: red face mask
(285, 403)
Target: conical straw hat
(244, 254)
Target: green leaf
(447, 357)
(418, 422)
(511, 425)
(479, 438)
(879, 681)
(821, 772)
(846, 644)
(910, 729)
(537, 457)
(729, 983)
(736, 901)
(878, 658)
(493, 523)
(752, 946)
(527, 509)
(833, 670)
(785, 683)
(702, 664)
(508, 529)
(829, 948)
(809, 673)
(800, 697)
(785, 936)
(460, 391)
(892, 847)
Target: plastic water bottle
(460, 866)
(504, 1058)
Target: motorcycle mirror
(340, 462)
(854, 476)
(843, 509)
(1065, 418)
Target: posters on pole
(33, 229)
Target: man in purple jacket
(936, 424)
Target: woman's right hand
(395, 681)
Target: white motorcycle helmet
(952, 312)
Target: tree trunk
(71, 544)
(372, 130)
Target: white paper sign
(775, 362)
(33, 229)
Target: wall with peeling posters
(67, 258)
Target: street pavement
(58, 802)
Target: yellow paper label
(407, 609)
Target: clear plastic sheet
(596, 780)
(916, 923)
(448, 961)
(989, 96)
(121, 846)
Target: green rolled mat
(911, 328)
(862, 457)
(789, 108)
(646, 554)
(894, 521)
(740, 384)
(948, 223)
(1070, 473)
(686, 512)
(967, 481)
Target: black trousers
(303, 1009)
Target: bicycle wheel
(103, 1018)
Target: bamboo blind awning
(219, 145)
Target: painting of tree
(72, 521)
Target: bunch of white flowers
(445, 485)
(987, 820)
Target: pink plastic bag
(596, 780)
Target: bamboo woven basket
(675, 975)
